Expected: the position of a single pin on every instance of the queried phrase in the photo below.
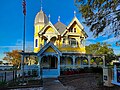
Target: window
(71, 30)
(45, 41)
(36, 42)
(74, 29)
(73, 42)
(63, 40)
(81, 40)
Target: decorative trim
(49, 24)
(46, 47)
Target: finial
(74, 13)
(58, 18)
(49, 17)
(41, 5)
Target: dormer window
(73, 30)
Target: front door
(53, 62)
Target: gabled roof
(75, 19)
(47, 25)
(79, 24)
(60, 27)
(49, 44)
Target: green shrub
(97, 70)
(2, 84)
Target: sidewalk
(54, 84)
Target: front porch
(77, 60)
(51, 61)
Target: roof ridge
(60, 22)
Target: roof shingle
(60, 27)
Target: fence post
(5, 77)
(2, 77)
(13, 75)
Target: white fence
(5, 67)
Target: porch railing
(78, 66)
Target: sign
(118, 76)
(105, 77)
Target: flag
(24, 7)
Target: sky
(12, 18)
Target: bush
(2, 84)
(97, 70)
(82, 70)
(87, 70)
(35, 82)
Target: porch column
(73, 61)
(58, 65)
(39, 67)
(80, 63)
(115, 73)
(89, 57)
(103, 57)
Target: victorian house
(58, 46)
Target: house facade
(59, 46)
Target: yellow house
(69, 38)
(66, 39)
(58, 46)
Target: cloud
(17, 46)
(88, 42)
(110, 40)
(91, 38)
(28, 45)
(117, 51)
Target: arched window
(36, 42)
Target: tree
(101, 48)
(13, 57)
(101, 14)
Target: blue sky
(11, 22)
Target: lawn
(85, 81)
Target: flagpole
(24, 12)
(23, 50)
